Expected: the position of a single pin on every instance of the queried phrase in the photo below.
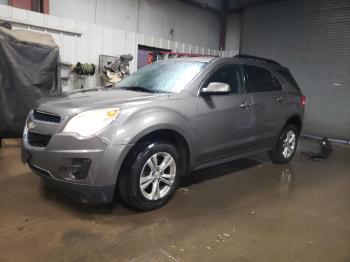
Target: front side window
(228, 74)
(258, 79)
(163, 77)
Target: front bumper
(88, 194)
(50, 162)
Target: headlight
(91, 122)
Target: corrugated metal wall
(312, 38)
(84, 42)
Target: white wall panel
(157, 18)
(83, 42)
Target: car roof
(203, 59)
(240, 60)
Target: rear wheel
(152, 176)
(286, 145)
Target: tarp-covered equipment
(29, 70)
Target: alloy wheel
(289, 143)
(157, 176)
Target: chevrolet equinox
(141, 136)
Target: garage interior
(246, 210)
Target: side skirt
(228, 159)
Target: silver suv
(171, 117)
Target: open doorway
(147, 55)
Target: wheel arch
(296, 121)
(165, 134)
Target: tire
(280, 154)
(141, 168)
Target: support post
(223, 24)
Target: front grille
(38, 140)
(47, 117)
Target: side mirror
(216, 88)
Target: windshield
(163, 77)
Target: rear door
(224, 120)
(268, 104)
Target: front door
(224, 120)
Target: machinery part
(6, 25)
(85, 69)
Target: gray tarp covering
(29, 70)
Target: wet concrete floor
(247, 210)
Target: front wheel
(152, 176)
(286, 145)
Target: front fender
(132, 125)
(136, 125)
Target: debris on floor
(20, 228)
(325, 151)
(219, 238)
(309, 243)
(208, 247)
(227, 235)
(183, 189)
(252, 212)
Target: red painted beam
(28, 5)
(45, 6)
(23, 4)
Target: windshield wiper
(137, 89)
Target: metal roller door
(312, 38)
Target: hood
(68, 104)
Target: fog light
(78, 169)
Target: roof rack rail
(257, 58)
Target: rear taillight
(302, 101)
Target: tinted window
(277, 84)
(258, 79)
(288, 76)
(229, 74)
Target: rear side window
(258, 79)
(290, 79)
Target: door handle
(279, 99)
(245, 105)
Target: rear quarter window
(277, 85)
(289, 78)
